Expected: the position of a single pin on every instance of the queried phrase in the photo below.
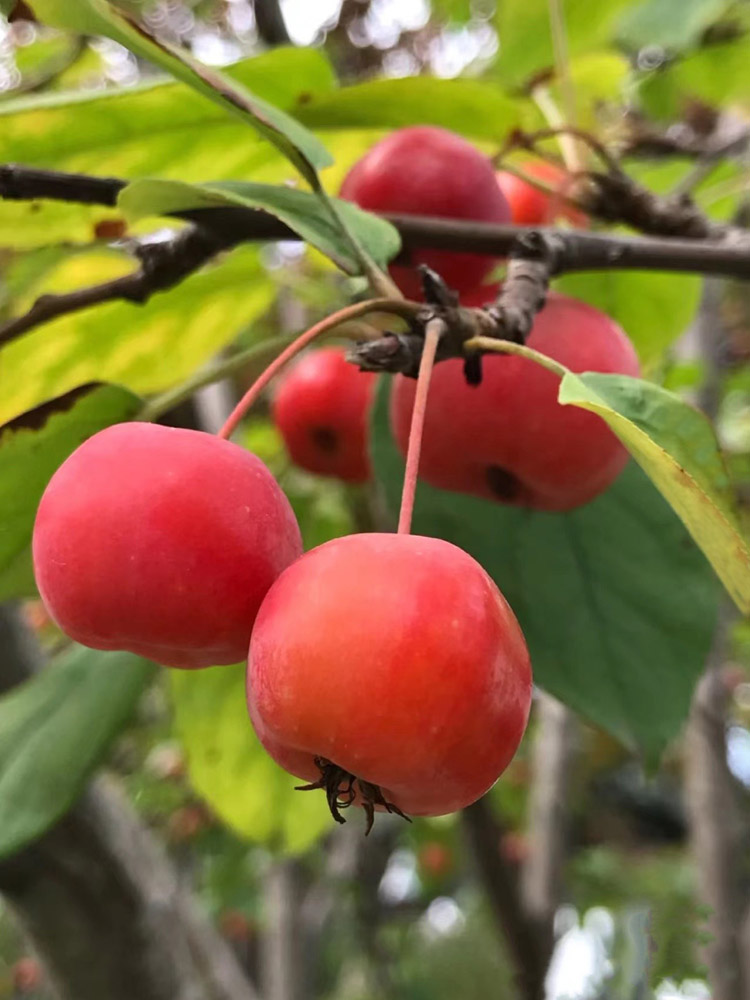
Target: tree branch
(555, 251)
(163, 265)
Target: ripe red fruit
(162, 541)
(321, 408)
(531, 207)
(509, 439)
(428, 171)
(394, 660)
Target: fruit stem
(406, 310)
(433, 331)
(508, 347)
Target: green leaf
(653, 308)
(168, 131)
(147, 348)
(98, 17)
(466, 106)
(676, 446)
(163, 129)
(526, 40)
(229, 768)
(673, 24)
(6, 6)
(32, 447)
(54, 731)
(617, 604)
(301, 211)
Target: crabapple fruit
(321, 408)
(531, 207)
(163, 542)
(423, 170)
(389, 670)
(509, 439)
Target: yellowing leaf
(675, 445)
(146, 348)
(229, 768)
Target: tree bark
(100, 899)
(715, 831)
(709, 787)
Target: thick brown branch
(544, 252)
(576, 250)
(19, 183)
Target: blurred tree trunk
(101, 900)
(715, 829)
(283, 955)
(528, 950)
(548, 795)
(709, 786)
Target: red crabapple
(163, 542)
(390, 670)
(530, 206)
(424, 170)
(321, 408)
(509, 439)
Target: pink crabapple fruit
(321, 408)
(422, 170)
(509, 439)
(163, 542)
(389, 669)
(530, 206)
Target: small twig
(519, 139)
(163, 265)
(614, 196)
